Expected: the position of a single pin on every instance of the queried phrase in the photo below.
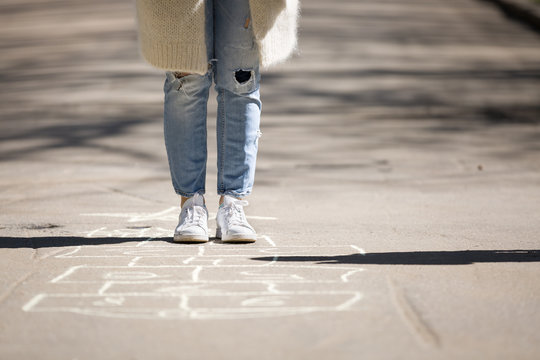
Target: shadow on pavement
(59, 241)
(68, 85)
(419, 257)
(10, 242)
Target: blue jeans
(234, 67)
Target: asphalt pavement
(397, 194)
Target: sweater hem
(175, 56)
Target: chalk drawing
(134, 261)
(345, 277)
(360, 250)
(153, 231)
(169, 214)
(159, 280)
(268, 240)
(144, 242)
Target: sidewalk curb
(521, 10)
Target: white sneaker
(232, 225)
(193, 223)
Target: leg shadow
(464, 257)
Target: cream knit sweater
(171, 33)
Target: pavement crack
(411, 317)
(11, 288)
(35, 260)
(51, 253)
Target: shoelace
(236, 215)
(195, 216)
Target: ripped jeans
(234, 67)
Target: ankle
(222, 198)
(183, 199)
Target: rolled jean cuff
(234, 193)
(188, 194)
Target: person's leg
(185, 130)
(239, 108)
(185, 103)
(186, 97)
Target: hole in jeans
(242, 76)
(179, 75)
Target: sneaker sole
(236, 239)
(191, 239)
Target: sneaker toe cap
(192, 230)
(240, 230)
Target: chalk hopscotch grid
(272, 301)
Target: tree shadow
(463, 257)
(517, 13)
(9, 242)
(86, 90)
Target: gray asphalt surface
(397, 195)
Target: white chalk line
(144, 242)
(212, 216)
(188, 260)
(156, 232)
(346, 305)
(231, 247)
(359, 249)
(264, 300)
(255, 217)
(129, 275)
(181, 282)
(144, 251)
(184, 302)
(272, 288)
(105, 287)
(134, 261)
(71, 252)
(271, 310)
(167, 214)
(66, 273)
(268, 240)
(195, 273)
(271, 276)
(169, 314)
(283, 266)
(273, 262)
(210, 293)
(34, 301)
(345, 277)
